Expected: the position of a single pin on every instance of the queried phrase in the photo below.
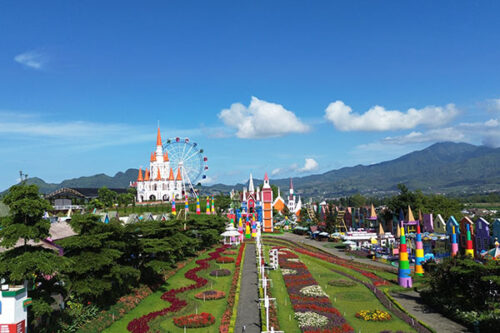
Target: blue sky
(287, 87)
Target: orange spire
(153, 157)
(158, 175)
(158, 137)
(165, 157)
(171, 176)
(146, 176)
(178, 174)
(139, 178)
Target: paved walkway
(410, 299)
(248, 305)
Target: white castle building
(158, 182)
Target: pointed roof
(158, 175)
(139, 177)
(409, 216)
(266, 182)
(153, 157)
(251, 188)
(266, 178)
(179, 177)
(373, 213)
(165, 157)
(380, 229)
(171, 176)
(420, 218)
(291, 184)
(158, 137)
(146, 174)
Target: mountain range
(441, 168)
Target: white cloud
(493, 105)
(276, 171)
(261, 119)
(487, 132)
(309, 165)
(31, 59)
(208, 180)
(377, 118)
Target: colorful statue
(208, 206)
(247, 231)
(469, 249)
(174, 212)
(198, 205)
(454, 243)
(404, 277)
(186, 205)
(213, 205)
(419, 253)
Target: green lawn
(155, 303)
(349, 300)
(284, 306)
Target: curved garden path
(410, 300)
(248, 304)
(140, 325)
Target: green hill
(442, 167)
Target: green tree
(98, 271)
(222, 202)
(28, 262)
(107, 196)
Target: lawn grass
(334, 245)
(349, 300)
(155, 303)
(284, 308)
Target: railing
(67, 207)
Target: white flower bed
(286, 271)
(313, 291)
(310, 319)
(294, 259)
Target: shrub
(195, 320)
(341, 283)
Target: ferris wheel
(190, 158)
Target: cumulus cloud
(309, 165)
(377, 118)
(493, 105)
(261, 119)
(31, 59)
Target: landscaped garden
(180, 303)
(309, 281)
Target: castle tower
(291, 198)
(404, 277)
(419, 253)
(267, 205)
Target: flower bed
(286, 271)
(195, 320)
(229, 252)
(341, 283)
(313, 309)
(231, 299)
(210, 295)
(224, 260)
(140, 325)
(220, 272)
(373, 315)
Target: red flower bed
(226, 317)
(301, 303)
(140, 325)
(210, 295)
(224, 260)
(195, 320)
(229, 252)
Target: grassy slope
(155, 303)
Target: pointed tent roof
(165, 157)
(158, 175)
(373, 213)
(139, 177)
(420, 218)
(380, 229)
(409, 216)
(179, 177)
(146, 174)
(158, 137)
(171, 176)
(251, 188)
(153, 157)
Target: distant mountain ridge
(442, 167)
